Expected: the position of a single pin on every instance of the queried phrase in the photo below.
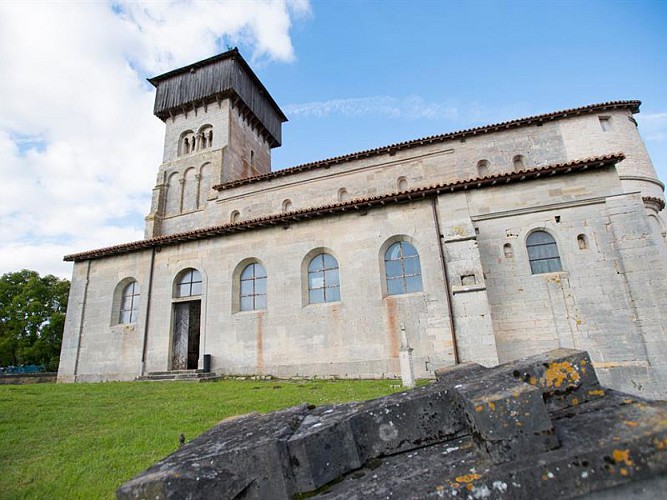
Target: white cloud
(410, 108)
(79, 146)
(653, 126)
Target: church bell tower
(221, 124)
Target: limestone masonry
(483, 245)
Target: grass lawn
(85, 440)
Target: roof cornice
(633, 105)
(358, 204)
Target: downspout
(83, 315)
(148, 313)
(448, 291)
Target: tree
(32, 318)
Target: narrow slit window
(605, 123)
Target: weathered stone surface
(243, 457)
(565, 376)
(508, 418)
(323, 448)
(475, 433)
(336, 440)
(608, 444)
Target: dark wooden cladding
(223, 76)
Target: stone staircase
(184, 375)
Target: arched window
(234, 217)
(343, 195)
(483, 168)
(205, 137)
(582, 242)
(402, 183)
(323, 282)
(253, 287)
(188, 284)
(186, 143)
(518, 162)
(507, 250)
(287, 205)
(543, 253)
(129, 305)
(402, 269)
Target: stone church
(484, 245)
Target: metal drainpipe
(443, 262)
(83, 315)
(148, 311)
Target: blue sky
(464, 64)
(81, 148)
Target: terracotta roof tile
(355, 204)
(556, 115)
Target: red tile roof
(353, 205)
(520, 122)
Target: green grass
(85, 440)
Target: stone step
(183, 375)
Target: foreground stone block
(244, 457)
(506, 417)
(475, 433)
(324, 448)
(565, 376)
(336, 440)
(605, 444)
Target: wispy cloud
(408, 108)
(79, 145)
(653, 126)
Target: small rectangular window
(605, 123)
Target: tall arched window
(129, 305)
(402, 269)
(323, 281)
(543, 253)
(518, 162)
(188, 284)
(253, 287)
(287, 205)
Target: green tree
(32, 318)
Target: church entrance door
(186, 335)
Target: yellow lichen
(559, 373)
(479, 408)
(596, 392)
(575, 401)
(492, 405)
(624, 471)
(630, 423)
(660, 444)
(467, 478)
(622, 456)
(532, 381)
(455, 485)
